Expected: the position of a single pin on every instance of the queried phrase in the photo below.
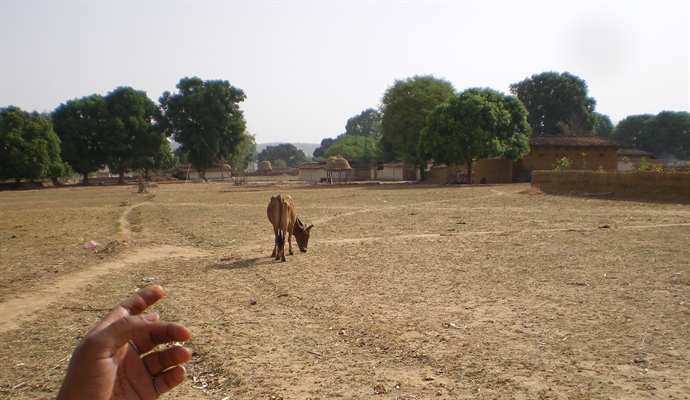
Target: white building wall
(312, 175)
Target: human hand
(113, 361)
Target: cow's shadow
(237, 264)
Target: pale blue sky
(306, 67)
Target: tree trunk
(85, 181)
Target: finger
(159, 361)
(133, 305)
(169, 379)
(121, 331)
(163, 332)
(140, 301)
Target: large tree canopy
(631, 131)
(131, 137)
(161, 160)
(204, 117)
(478, 123)
(603, 127)
(81, 126)
(283, 153)
(557, 104)
(321, 150)
(29, 148)
(405, 107)
(366, 124)
(667, 134)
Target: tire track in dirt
(22, 308)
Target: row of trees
(666, 134)
(126, 131)
(423, 118)
(420, 118)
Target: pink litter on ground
(91, 244)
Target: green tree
(603, 127)
(321, 150)
(160, 161)
(633, 131)
(287, 152)
(557, 104)
(29, 148)
(405, 107)
(131, 137)
(245, 155)
(366, 124)
(669, 135)
(478, 123)
(386, 150)
(81, 126)
(362, 148)
(204, 117)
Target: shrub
(563, 164)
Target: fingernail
(152, 317)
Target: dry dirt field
(407, 291)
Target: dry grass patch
(406, 292)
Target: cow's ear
(309, 227)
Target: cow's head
(301, 233)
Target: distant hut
(340, 165)
(265, 166)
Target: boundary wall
(651, 186)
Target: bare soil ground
(407, 291)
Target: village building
(630, 159)
(188, 172)
(584, 152)
(312, 172)
(394, 171)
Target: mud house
(629, 159)
(312, 172)
(394, 171)
(584, 152)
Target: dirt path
(23, 307)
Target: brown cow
(283, 216)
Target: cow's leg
(290, 242)
(282, 247)
(275, 242)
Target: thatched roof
(337, 163)
(265, 166)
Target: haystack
(337, 163)
(265, 166)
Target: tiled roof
(576, 141)
(636, 153)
